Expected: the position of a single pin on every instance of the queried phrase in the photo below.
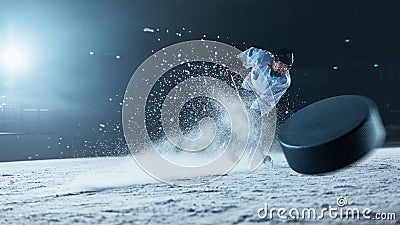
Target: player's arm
(279, 89)
(254, 57)
(246, 84)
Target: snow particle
(149, 30)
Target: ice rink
(115, 191)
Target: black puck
(331, 134)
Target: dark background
(67, 103)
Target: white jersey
(269, 89)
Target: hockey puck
(331, 134)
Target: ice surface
(113, 191)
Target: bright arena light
(14, 59)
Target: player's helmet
(286, 56)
